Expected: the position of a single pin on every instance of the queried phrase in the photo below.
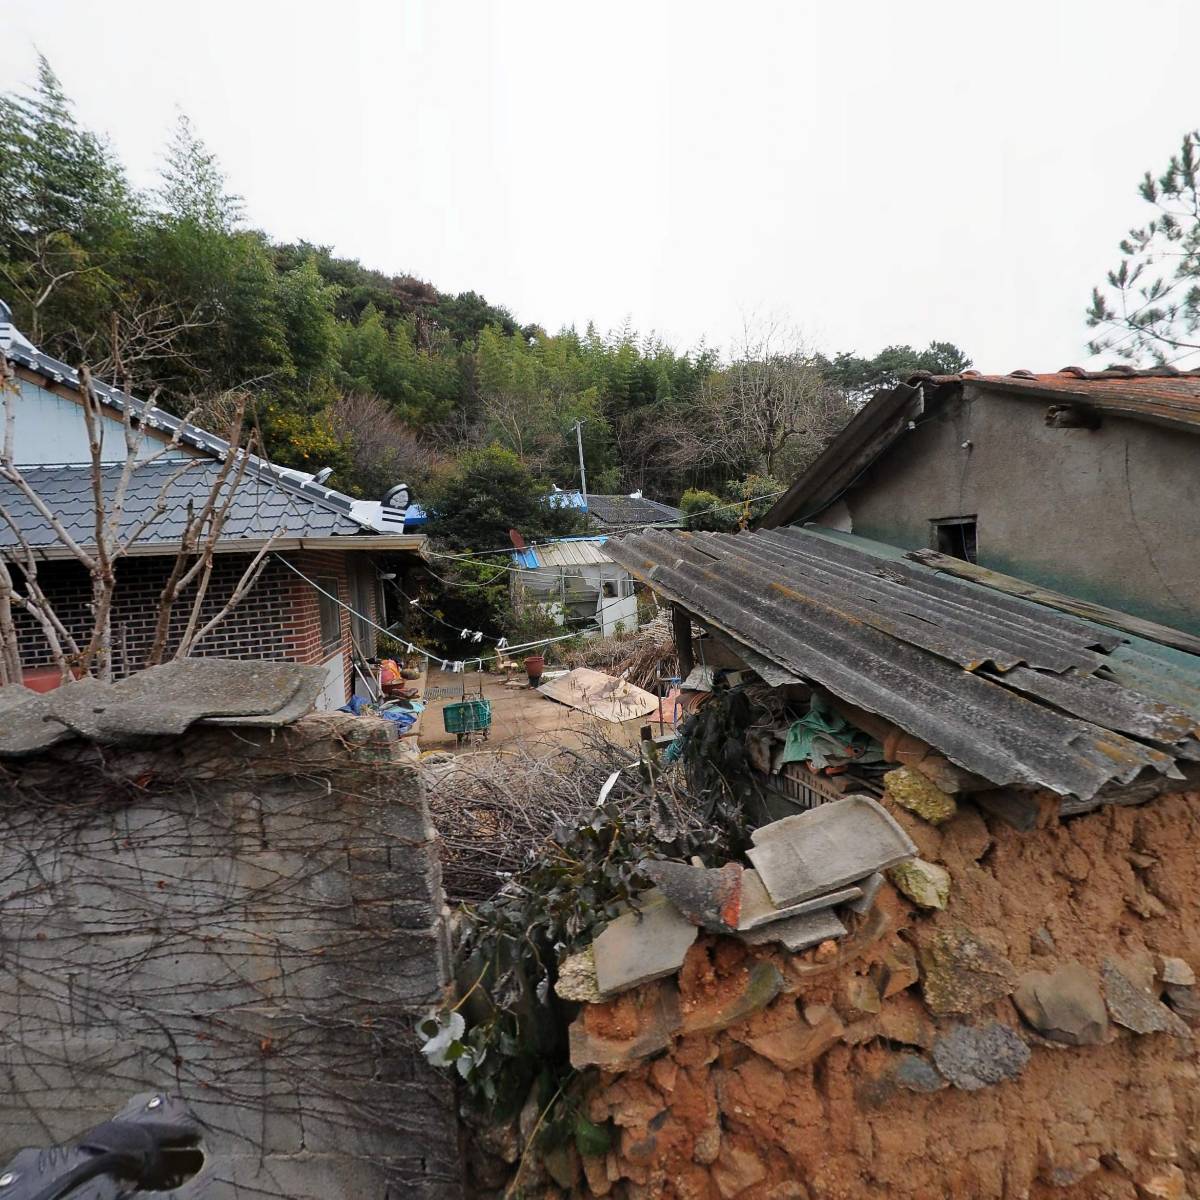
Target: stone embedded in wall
(1175, 971)
(577, 978)
(738, 1167)
(924, 883)
(972, 1057)
(960, 973)
(623, 1031)
(1185, 1001)
(919, 794)
(756, 988)
(797, 1043)
(1136, 1009)
(917, 1074)
(896, 969)
(1063, 1006)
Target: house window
(331, 613)
(955, 537)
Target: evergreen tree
(861, 377)
(1150, 306)
(488, 493)
(65, 213)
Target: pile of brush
(641, 658)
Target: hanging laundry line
(456, 665)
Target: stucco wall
(49, 427)
(1111, 515)
(252, 919)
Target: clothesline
(456, 665)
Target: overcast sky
(873, 171)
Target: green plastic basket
(469, 716)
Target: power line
(473, 555)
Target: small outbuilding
(576, 581)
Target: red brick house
(325, 544)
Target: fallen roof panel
(898, 639)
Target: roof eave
(392, 543)
(867, 435)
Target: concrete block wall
(250, 918)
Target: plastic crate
(468, 716)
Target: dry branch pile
(498, 811)
(640, 657)
(494, 809)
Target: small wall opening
(956, 537)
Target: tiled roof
(268, 497)
(260, 508)
(1157, 394)
(1011, 690)
(629, 512)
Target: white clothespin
(477, 636)
(502, 643)
(445, 665)
(466, 633)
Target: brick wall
(304, 642)
(279, 619)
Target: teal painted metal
(1158, 671)
(468, 716)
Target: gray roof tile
(629, 512)
(262, 506)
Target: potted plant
(535, 664)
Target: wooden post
(681, 628)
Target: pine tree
(65, 215)
(1150, 307)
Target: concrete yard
(518, 714)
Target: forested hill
(380, 376)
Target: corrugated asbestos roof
(1160, 396)
(1013, 691)
(260, 508)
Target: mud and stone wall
(250, 918)
(1026, 1042)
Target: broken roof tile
(826, 848)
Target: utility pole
(582, 468)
